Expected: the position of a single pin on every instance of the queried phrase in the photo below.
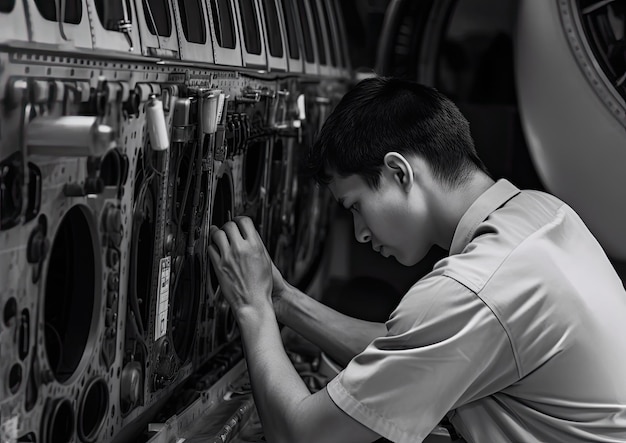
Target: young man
(517, 335)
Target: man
(516, 336)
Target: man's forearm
(288, 412)
(338, 335)
(276, 386)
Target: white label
(220, 107)
(10, 427)
(163, 298)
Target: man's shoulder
(501, 233)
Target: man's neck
(452, 204)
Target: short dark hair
(380, 115)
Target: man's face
(393, 219)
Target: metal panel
(116, 40)
(152, 43)
(194, 51)
(223, 55)
(13, 24)
(338, 37)
(295, 64)
(70, 35)
(274, 63)
(251, 59)
(309, 67)
(326, 68)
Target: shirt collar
(490, 200)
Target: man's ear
(401, 169)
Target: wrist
(282, 301)
(253, 316)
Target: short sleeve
(444, 348)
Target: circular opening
(253, 169)
(222, 205)
(111, 168)
(28, 438)
(185, 307)
(60, 423)
(10, 192)
(69, 295)
(93, 409)
(142, 247)
(308, 223)
(23, 336)
(15, 378)
(10, 311)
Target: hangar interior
(130, 126)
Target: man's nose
(362, 234)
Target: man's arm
(341, 337)
(288, 411)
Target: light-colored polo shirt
(520, 333)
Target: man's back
(545, 278)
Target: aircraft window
(157, 12)
(223, 22)
(193, 20)
(273, 28)
(333, 56)
(290, 24)
(250, 26)
(111, 13)
(73, 10)
(321, 50)
(7, 5)
(306, 31)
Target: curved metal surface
(577, 143)
(410, 38)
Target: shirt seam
(366, 409)
(506, 330)
(557, 213)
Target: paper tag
(163, 298)
(10, 427)
(220, 107)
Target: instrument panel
(126, 129)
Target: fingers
(228, 234)
(246, 227)
(219, 240)
(214, 255)
(238, 227)
(232, 232)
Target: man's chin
(407, 261)
(402, 260)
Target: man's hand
(287, 409)
(242, 265)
